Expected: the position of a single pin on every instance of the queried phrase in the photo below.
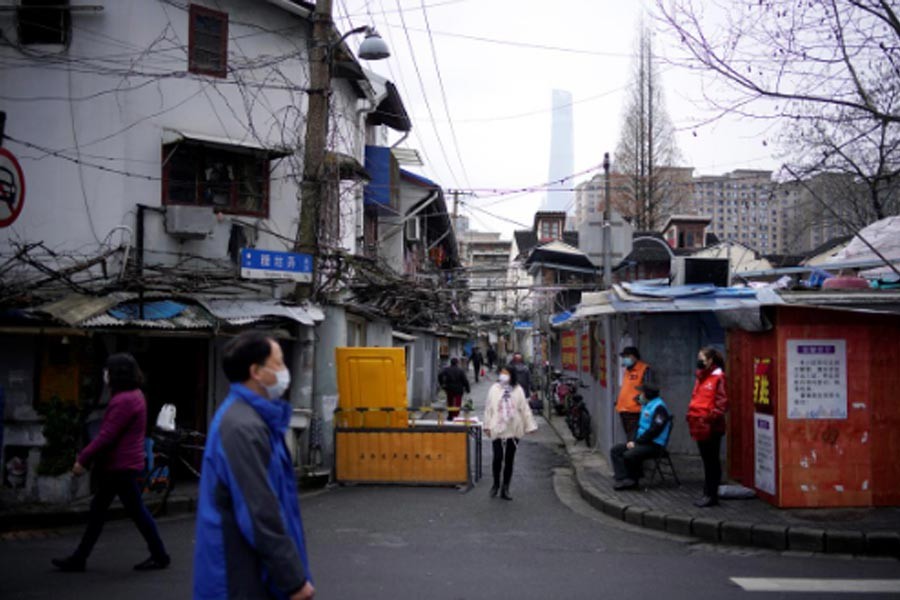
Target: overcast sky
(499, 61)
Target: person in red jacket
(117, 454)
(706, 420)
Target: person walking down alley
(706, 420)
(507, 418)
(651, 437)
(249, 540)
(454, 382)
(117, 455)
(523, 374)
(477, 362)
(491, 356)
(627, 405)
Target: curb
(736, 533)
(742, 533)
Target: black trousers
(477, 367)
(630, 421)
(627, 462)
(123, 484)
(712, 466)
(504, 458)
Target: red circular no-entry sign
(12, 188)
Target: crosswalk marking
(833, 586)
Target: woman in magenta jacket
(706, 420)
(117, 455)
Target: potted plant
(63, 422)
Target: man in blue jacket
(651, 437)
(250, 540)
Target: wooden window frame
(168, 151)
(201, 11)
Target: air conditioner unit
(689, 270)
(189, 222)
(414, 229)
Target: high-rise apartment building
(744, 206)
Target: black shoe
(625, 484)
(706, 501)
(504, 493)
(153, 564)
(70, 564)
(494, 489)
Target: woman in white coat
(507, 417)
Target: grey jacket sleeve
(256, 506)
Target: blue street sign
(523, 325)
(271, 264)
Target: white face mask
(282, 381)
(504, 378)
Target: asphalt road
(383, 542)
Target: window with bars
(43, 22)
(208, 42)
(229, 181)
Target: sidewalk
(748, 522)
(24, 520)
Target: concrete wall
(425, 370)
(118, 123)
(669, 343)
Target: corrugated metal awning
(76, 308)
(192, 317)
(172, 136)
(243, 312)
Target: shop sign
(762, 385)
(764, 453)
(569, 351)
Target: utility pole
(607, 228)
(311, 188)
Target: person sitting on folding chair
(650, 440)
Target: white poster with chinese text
(764, 451)
(817, 379)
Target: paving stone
(706, 528)
(806, 538)
(883, 543)
(680, 524)
(844, 542)
(655, 520)
(770, 536)
(739, 533)
(635, 515)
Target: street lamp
(373, 47)
(321, 62)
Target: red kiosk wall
(743, 347)
(823, 462)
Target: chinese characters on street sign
(817, 379)
(271, 264)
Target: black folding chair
(662, 462)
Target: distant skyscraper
(562, 153)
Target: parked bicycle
(578, 418)
(171, 455)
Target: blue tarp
(687, 291)
(153, 311)
(560, 318)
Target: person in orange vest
(706, 420)
(627, 405)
